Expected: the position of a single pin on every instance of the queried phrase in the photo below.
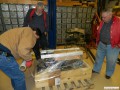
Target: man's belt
(105, 43)
(6, 54)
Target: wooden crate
(62, 79)
(59, 78)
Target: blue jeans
(111, 58)
(11, 68)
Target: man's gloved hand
(40, 65)
(28, 63)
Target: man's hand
(41, 63)
(45, 33)
(28, 63)
(117, 46)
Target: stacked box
(64, 9)
(69, 9)
(64, 26)
(84, 15)
(64, 15)
(4, 7)
(20, 14)
(69, 26)
(59, 26)
(6, 14)
(74, 15)
(14, 21)
(13, 15)
(79, 15)
(88, 15)
(12, 7)
(89, 10)
(74, 9)
(58, 21)
(8, 27)
(58, 15)
(64, 21)
(19, 7)
(59, 31)
(20, 21)
(79, 21)
(69, 20)
(59, 39)
(1, 28)
(84, 10)
(15, 26)
(7, 21)
(80, 9)
(74, 25)
(74, 21)
(83, 20)
(25, 9)
(59, 9)
(79, 25)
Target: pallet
(47, 78)
(73, 85)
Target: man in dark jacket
(38, 18)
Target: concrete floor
(98, 79)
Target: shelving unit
(69, 17)
(13, 15)
(70, 14)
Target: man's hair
(38, 31)
(40, 4)
(108, 10)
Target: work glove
(28, 63)
(40, 65)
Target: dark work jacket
(36, 21)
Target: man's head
(107, 15)
(37, 32)
(39, 7)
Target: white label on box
(57, 81)
(111, 88)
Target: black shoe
(107, 77)
(94, 71)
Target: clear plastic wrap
(57, 64)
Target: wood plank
(84, 83)
(68, 3)
(66, 86)
(47, 88)
(77, 84)
(62, 86)
(89, 81)
(91, 84)
(69, 84)
(55, 88)
(81, 85)
(73, 84)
